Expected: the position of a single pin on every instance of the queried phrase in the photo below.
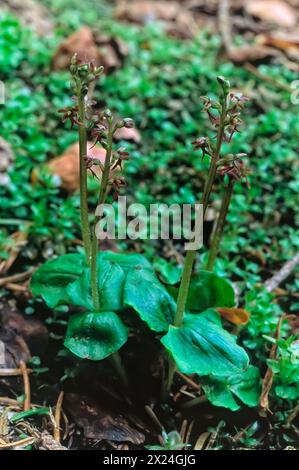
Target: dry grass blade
(21, 443)
(201, 441)
(27, 401)
(57, 417)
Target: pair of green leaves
(66, 280)
(200, 345)
(125, 282)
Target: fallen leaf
(66, 166)
(99, 423)
(112, 51)
(21, 335)
(273, 11)
(179, 21)
(238, 316)
(145, 11)
(251, 53)
(82, 43)
(285, 42)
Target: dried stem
(27, 401)
(57, 417)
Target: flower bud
(224, 83)
(128, 123)
(107, 113)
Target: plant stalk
(83, 180)
(215, 243)
(191, 255)
(95, 245)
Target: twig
(292, 416)
(12, 372)
(272, 283)
(154, 417)
(189, 381)
(225, 26)
(196, 401)
(269, 376)
(15, 287)
(16, 277)
(22, 442)
(57, 417)
(188, 434)
(183, 430)
(252, 69)
(27, 401)
(10, 402)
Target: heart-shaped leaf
(207, 290)
(52, 278)
(125, 260)
(226, 391)
(111, 281)
(200, 346)
(95, 335)
(148, 297)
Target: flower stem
(220, 225)
(95, 245)
(83, 180)
(191, 254)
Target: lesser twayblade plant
(112, 289)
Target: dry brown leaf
(21, 335)
(238, 316)
(251, 53)
(201, 441)
(285, 42)
(179, 21)
(112, 51)
(66, 166)
(82, 43)
(273, 11)
(145, 11)
(100, 423)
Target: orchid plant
(108, 290)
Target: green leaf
(227, 391)
(209, 290)
(126, 260)
(200, 346)
(168, 273)
(147, 296)
(95, 335)
(52, 278)
(111, 281)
